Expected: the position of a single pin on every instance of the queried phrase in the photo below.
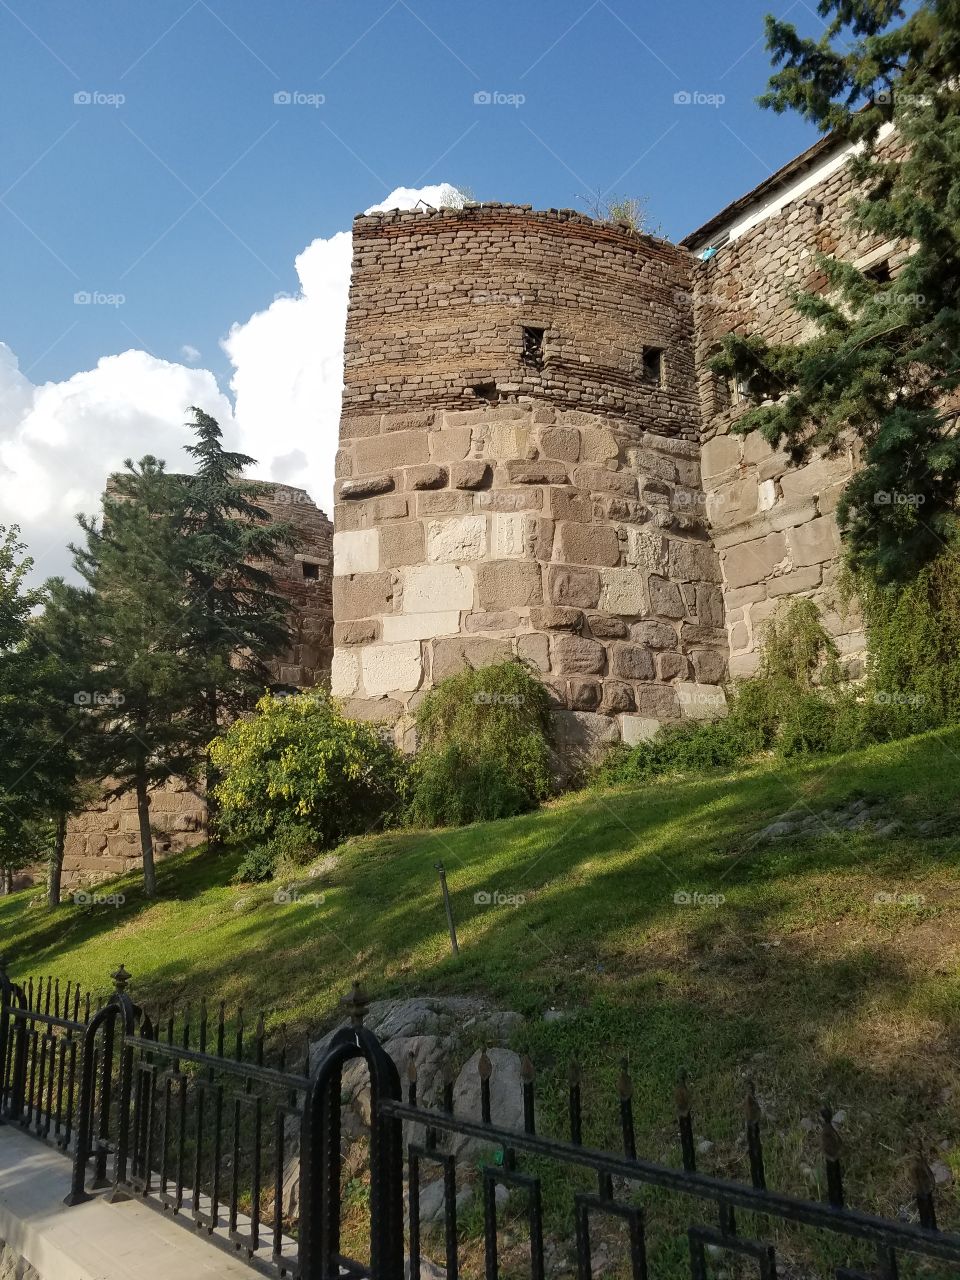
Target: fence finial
(357, 1003)
(120, 978)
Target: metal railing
(199, 1118)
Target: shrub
(796, 705)
(257, 865)
(914, 641)
(301, 775)
(484, 747)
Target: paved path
(96, 1240)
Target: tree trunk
(212, 776)
(146, 835)
(56, 860)
(7, 881)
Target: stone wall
(773, 524)
(519, 470)
(104, 840)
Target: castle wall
(518, 470)
(773, 524)
(104, 840)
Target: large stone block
(574, 655)
(754, 561)
(508, 540)
(470, 475)
(631, 662)
(509, 584)
(452, 656)
(720, 454)
(624, 591)
(560, 443)
(391, 668)
(357, 551)
(402, 544)
(592, 544)
(598, 445)
(815, 476)
(505, 442)
(709, 666)
(600, 480)
(814, 542)
(693, 562)
(654, 634)
(646, 548)
(556, 618)
(617, 696)
(427, 476)
(534, 648)
(436, 587)
(790, 584)
(452, 444)
(665, 598)
(364, 596)
(344, 673)
(540, 472)
(398, 627)
(701, 701)
(386, 452)
(578, 587)
(582, 737)
(658, 701)
(634, 729)
(453, 541)
(501, 620)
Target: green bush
(257, 865)
(299, 776)
(913, 662)
(483, 747)
(798, 704)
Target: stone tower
(519, 470)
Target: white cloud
(288, 361)
(60, 440)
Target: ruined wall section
(104, 840)
(519, 470)
(774, 524)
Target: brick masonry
(519, 470)
(535, 459)
(773, 524)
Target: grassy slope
(799, 979)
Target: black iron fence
(202, 1119)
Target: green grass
(798, 979)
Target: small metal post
(449, 909)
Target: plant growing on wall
(885, 357)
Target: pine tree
(235, 618)
(22, 744)
(131, 616)
(885, 360)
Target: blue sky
(109, 202)
(148, 164)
